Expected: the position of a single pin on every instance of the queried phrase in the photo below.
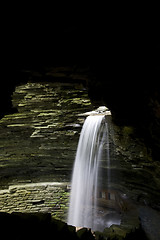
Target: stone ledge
(49, 197)
(41, 184)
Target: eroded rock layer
(39, 141)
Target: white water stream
(83, 203)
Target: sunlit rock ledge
(99, 111)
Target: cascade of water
(83, 203)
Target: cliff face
(39, 141)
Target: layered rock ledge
(44, 197)
(38, 143)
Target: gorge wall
(39, 139)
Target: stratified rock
(39, 142)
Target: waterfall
(83, 199)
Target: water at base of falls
(83, 210)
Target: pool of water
(104, 219)
(107, 220)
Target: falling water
(83, 203)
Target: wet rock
(130, 228)
(150, 221)
(132, 168)
(85, 234)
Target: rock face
(44, 197)
(38, 143)
(132, 169)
